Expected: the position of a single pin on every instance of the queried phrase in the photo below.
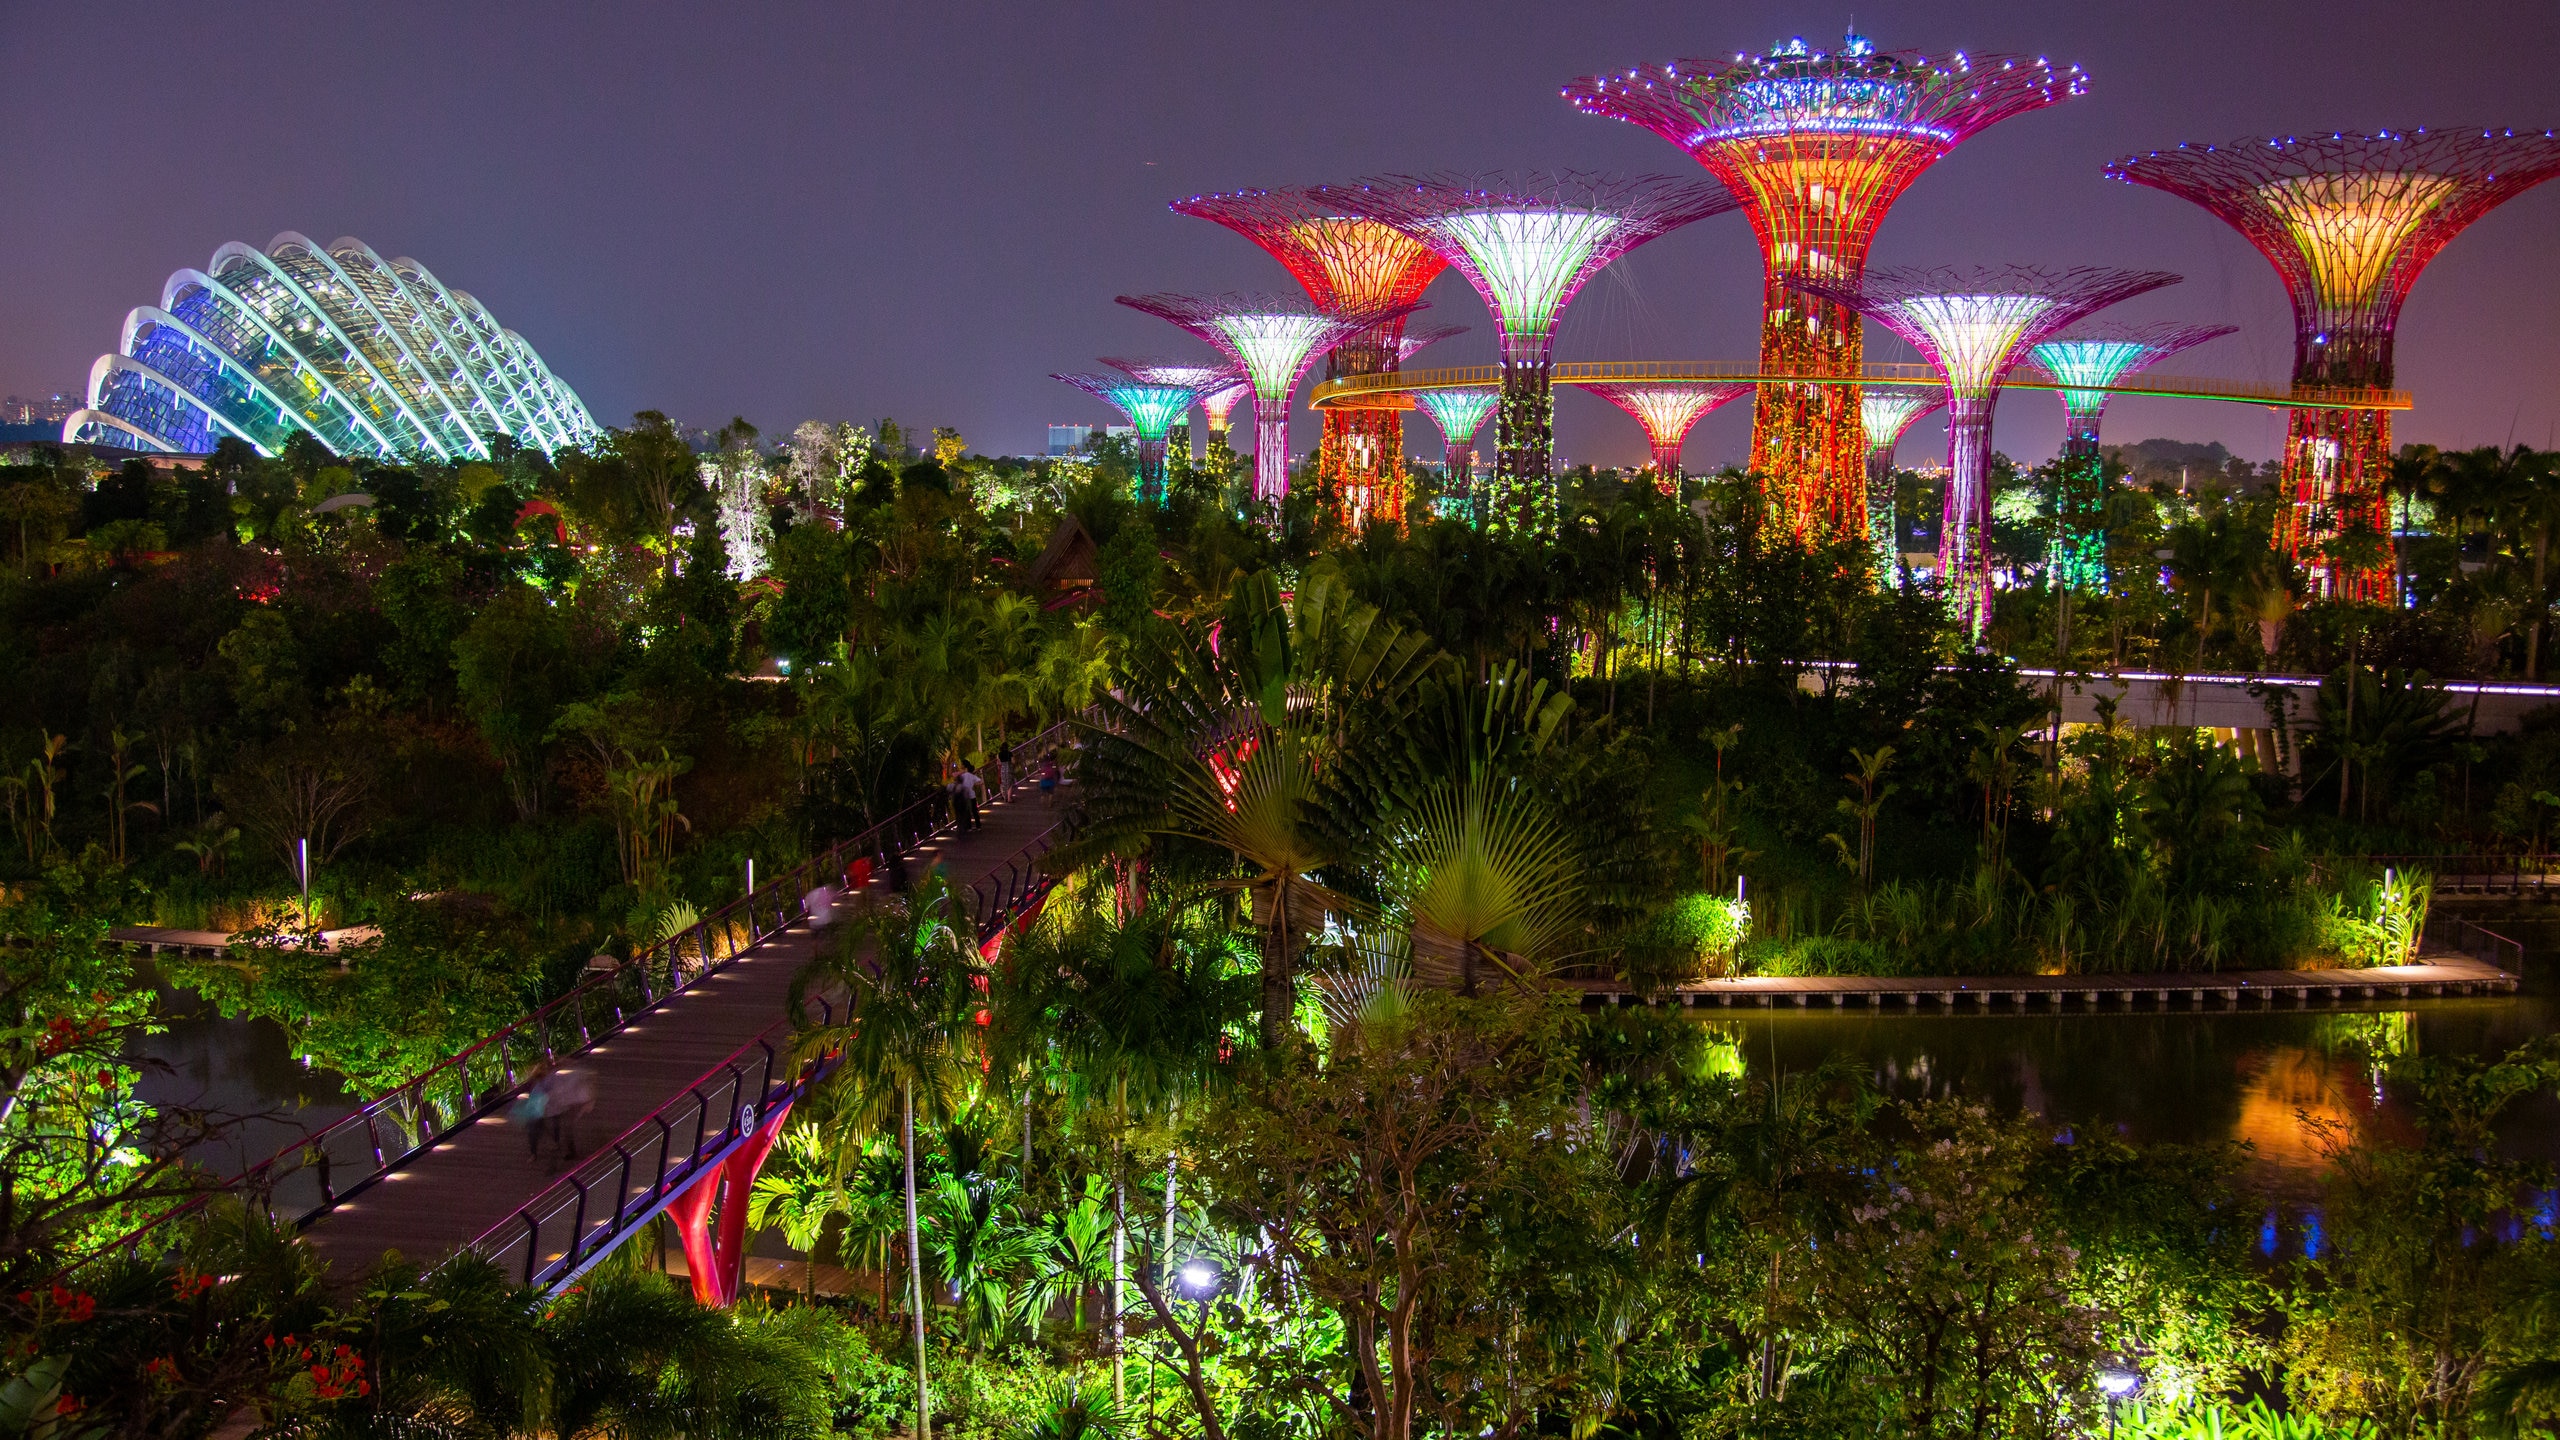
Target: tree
(517, 665)
(911, 972)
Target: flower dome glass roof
(369, 356)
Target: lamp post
(2118, 1380)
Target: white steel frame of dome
(434, 374)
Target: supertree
(2348, 221)
(1217, 388)
(1459, 412)
(1819, 146)
(1152, 411)
(1272, 341)
(1885, 414)
(2088, 366)
(1668, 410)
(1974, 326)
(1349, 265)
(1415, 340)
(1527, 243)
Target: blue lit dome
(369, 356)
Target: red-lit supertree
(1527, 243)
(2348, 221)
(1272, 341)
(1349, 265)
(1668, 410)
(1819, 146)
(1974, 326)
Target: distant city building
(1068, 439)
(57, 407)
(366, 355)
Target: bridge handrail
(2482, 943)
(1352, 389)
(428, 1106)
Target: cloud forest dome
(366, 355)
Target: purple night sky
(845, 211)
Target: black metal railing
(312, 1175)
(2470, 937)
(2479, 874)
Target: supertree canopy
(1349, 264)
(1459, 412)
(365, 355)
(2089, 365)
(1415, 340)
(1974, 326)
(1153, 411)
(1216, 390)
(1819, 146)
(1668, 410)
(1272, 341)
(1886, 413)
(2349, 221)
(1527, 243)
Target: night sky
(846, 211)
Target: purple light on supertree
(2348, 221)
(1974, 326)
(1668, 410)
(1153, 411)
(1272, 341)
(1886, 413)
(1527, 243)
(1415, 340)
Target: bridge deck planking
(475, 1178)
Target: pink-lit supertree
(2089, 365)
(1887, 413)
(1349, 264)
(1414, 340)
(1272, 341)
(1460, 412)
(1819, 144)
(1527, 243)
(1215, 389)
(1668, 410)
(1974, 326)
(1152, 410)
(2349, 221)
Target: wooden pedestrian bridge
(686, 1048)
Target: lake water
(240, 1070)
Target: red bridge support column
(717, 1258)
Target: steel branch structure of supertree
(1153, 410)
(2349, 221)
(2090, 364)
(1415, 340)
(1272, 341)
(1527, 243)
(1216, 389)
(1974, 325)
(1668, 410)
(1885, 414)
(1349, 265)
(1459, 413)
(1819, 146)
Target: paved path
(479, 1175)
(2446, 974)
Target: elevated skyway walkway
(685, 1051)
(1393, 388)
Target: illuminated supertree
(1527, 243)
(1418, 339)
(1886, 413)
(1349, 265)
(1974, 326)
(1152, 411)
(1819, 146)
(1668, 410)
(2089, 365)
(2349, 222)
(1460, 414)
(1272, 341)
(1207, 381)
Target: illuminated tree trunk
(1964, 561)
(1810, 441)
(1521, 499)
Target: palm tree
(908, 1042)
(1070, 1255)
(799, 1196)
(979, 1248)
(1224, 735)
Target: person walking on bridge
(573, 1094)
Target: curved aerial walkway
(685, 1049)
(1392, 388)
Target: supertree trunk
(1882, 539)
(1964, 529)
(1522, 488)
(1270, 451)
(2335, 465)
(1151, 468)
(1811, 439)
